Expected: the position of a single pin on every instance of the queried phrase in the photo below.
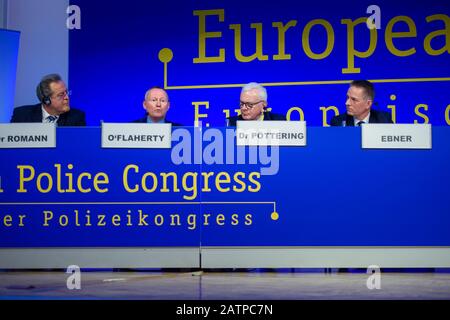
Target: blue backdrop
(115, 57)
(9, 50)
(330, 193)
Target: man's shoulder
(28, 113)
(174, 124)
(76, 112)
(337, 120)
(27, 108)
(232, 121)
(140, 120)
(275, 116)
(381, 116)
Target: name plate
(137, 135)
(396, 136)
(271, 133)
(28, 135)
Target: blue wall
(9, 47)
(114, 58)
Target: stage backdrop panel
(304, 52)
(9, 50)
(331, 193)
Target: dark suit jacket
(268, 116)
(144, 120)
(375, 117)
(73, 118)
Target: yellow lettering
(447, 115)
(115, 220)
(99, 179)
(206, 176)
(257, 184)
(23, 178)
(58, 178)
(420, 114)
(220, 219)
(351, 51)
(389, 35)
(330, 39)
(21, 217)
(192, 221)
(324, 114)
(238, 175)
(175, 220)
(80, 179)
(248, 219)
(203, 35)
(159, 220)
(238, 43)
(197, 114)
(125, 178)
(144, 182)
(300, 112)
(63, 220)
(39, 182)
(234, 219)
(445, 32)
(48, 215)
(165, 177)
(219, 181)
(7, 221)
(282, 39)
(393, 109)
(193, 188)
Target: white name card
(396, 136)
(271, 133)
(137, 135)
(28, 135)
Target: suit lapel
(37, 114)
(62, 119)
(349, 120)
(373, 117)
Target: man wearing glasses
(54, 105)
(253, 105)
(358, 103)
(156, 104)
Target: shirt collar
(365, 120)
(149, 120)
(45, 114)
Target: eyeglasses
(248, 105)
(62, 95)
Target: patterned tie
(51, 119)
(360, 123)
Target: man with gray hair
(253, 105)
(54, 105)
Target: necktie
(51, 119)
(360, 123)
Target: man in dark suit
(156, 103)
(54, 107)
(359, 102)
(253, 106)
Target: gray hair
(262, 93)
(43, 89)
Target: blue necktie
(51, 119)
(360, 123)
